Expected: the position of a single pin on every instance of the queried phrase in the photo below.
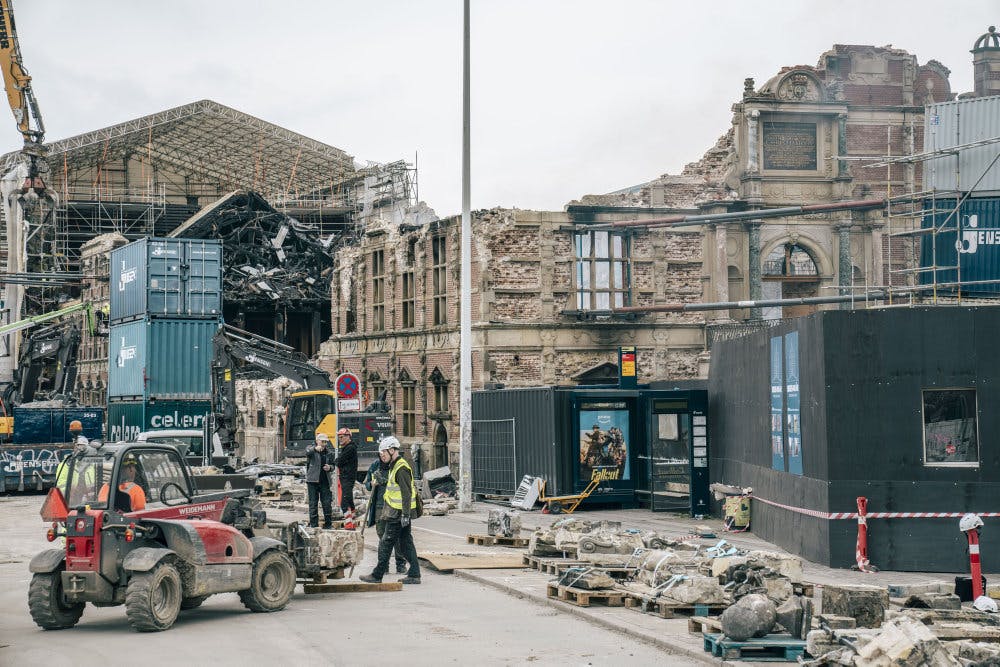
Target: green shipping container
(161, 359)
(127, 419)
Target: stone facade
(527, 328)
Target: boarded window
(951, 434)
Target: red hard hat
(344, 431)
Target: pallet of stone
(701, 624)
(556, 566)
(497, 541)
(771, 648)
(560, 565)
(582, 597)
(669, 609)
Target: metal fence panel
(494, 457)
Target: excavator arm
(22, 101)
(234, 349)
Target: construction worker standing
(400, 502)
(76, 433)
(319, 465)
(347, 470)
(378, 473)
(77, 438)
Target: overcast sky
(569, 97)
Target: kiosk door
(669, 452)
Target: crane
(23, 104)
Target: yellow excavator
(23, 104)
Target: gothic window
(602, 270)
(408, 410)
(440, 391)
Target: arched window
(790, 259)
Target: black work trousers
(395, 534)
(346, 494)
(319, 492)
(400, 558)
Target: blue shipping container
(51, 425)
(126, 420)
(968, 238)
(161, 359)
(166, 278)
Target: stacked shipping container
(166, 304)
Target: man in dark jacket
(375, 481)
(319, 464)
(400, 503)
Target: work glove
(404, 520)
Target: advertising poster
(603, 442)
(777, 405)
(793, 418)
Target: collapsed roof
(269, 256)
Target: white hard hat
(970, 521)
(323, 436)
(984, 603)
(388, 442)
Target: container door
(202, 279)
(165, 284)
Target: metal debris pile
(269, 256)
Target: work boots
(371, 579)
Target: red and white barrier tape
(873, 515)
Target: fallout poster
(603, 442)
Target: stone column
(845, 270)
(842, 170)
(753, 270)
(720, 270)
(752, 133)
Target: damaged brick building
(545, 284)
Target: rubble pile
(606, 543)
(559, 539)
(268, 255)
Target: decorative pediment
(405, 378)
(603, 373)
(800, 86)
(437, 377)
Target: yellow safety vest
(62, 475)
(393, 494)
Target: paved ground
(446, 620)
(489, 617)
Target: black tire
(272, 583)
(193, 603)
(48, 607)
(153, 599)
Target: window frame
(587, 258)
(408, 409)
(378, 289)
(439, 279)
(975, 418)
(409, 300)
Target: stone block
(865, 604)
(837, 622)
(933, 601)
(906, 590)
(696, 590)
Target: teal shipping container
(166, 278)
(166, 359)
(127, 419)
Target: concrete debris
(906, 590)
(933, 601)
(752, 616)
(656, 567)
(338, 548)
(438, 481)
(974, 653)
(833, 622)
(587, 578)
(751, 577)
(440, 506)
(795, 616)
(503, 523)
(900, 642)
(694, 589)
(558, 539)
(865, 604)
(607, 539)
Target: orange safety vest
(137, 497)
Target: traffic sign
(348, 385)
(348, 405)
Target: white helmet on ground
(970, 521)
(388, 442)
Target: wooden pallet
(772, 648)
(322, 576)
(550, 565)
(584, 598)
(669, 609)
(701, 624)
(497, 541)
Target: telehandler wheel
(272, 583)
(153, 599)
(193, 603)
(48, 607)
